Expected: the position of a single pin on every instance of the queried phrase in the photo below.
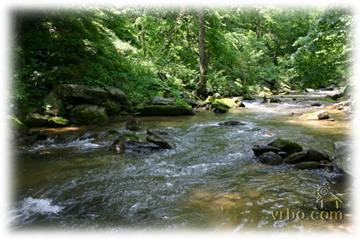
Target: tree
(203, 58)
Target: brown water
(210, 179)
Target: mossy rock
(166, 110)
(286, 145)
(58, 121)
(88, 114)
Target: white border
(5, 80)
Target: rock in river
(270, 158)
(309, 155)
(155, 138)
(297, 157)
(319, 115)
(260, 149)
(231, 123)
(286, 145)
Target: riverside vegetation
(180, 118)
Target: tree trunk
(201, 91)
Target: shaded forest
(147, 53)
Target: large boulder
(88, 114)
(166, 110)
(81, 94)
(270, 158)
(286, 145)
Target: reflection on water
(209, 179)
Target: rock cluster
(78, 104)
(285, 151)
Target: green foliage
(322, 57)
(148, 52)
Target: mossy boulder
(88, 114)
(166, 110)
(286, 145)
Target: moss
(58, 120)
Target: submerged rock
(260, 149)
(286, 145)
(166, 110)
(316, 104)
(270, 158)
(155, 138)
(231, 123)
(88, 114)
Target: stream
(210, 179)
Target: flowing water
(208, 180)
